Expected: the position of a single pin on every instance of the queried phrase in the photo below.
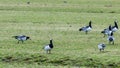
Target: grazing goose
(21, 38)
(115, 27)
(101, 46)
(111, 38)
(107, 31)
(48, 47)
(86, 28)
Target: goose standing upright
(111, 38)
(107, 31)
(115, 27)
(86, 28)
(101, 46)
(21, 38)
(48, 47)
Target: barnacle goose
(115, 27)
(86, 28)
(101, 46)
(48, 47)
(111, 38)
(107, 31)
(21, 38)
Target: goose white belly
(114, 29)
(108, 32)
(47, 48)
(89, 28)
(99, 46)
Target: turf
(59, 20)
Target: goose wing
(21, 37)
(84, 28)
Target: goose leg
(109, 42)
(104, 35)
(47, 51)
(86, 32)
(22, 41)
(18, 41)
(103, 49)
(113, 43)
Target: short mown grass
(59, 20)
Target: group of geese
(107, 31)
(23, 38)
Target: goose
(86, 28)
(111, 38)
(21, 38)
(48, 47)
(115, 27)
(107, 31)
(101, 46)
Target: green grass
(45, 19)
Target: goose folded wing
(85, 28)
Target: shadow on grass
(78, 62)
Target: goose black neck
(51, 44)
(16, 37)
(90, 24)
(27, 38)
(112, 34)
(50, 41)
(110, 27)
(116, 25)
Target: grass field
(60, 20)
